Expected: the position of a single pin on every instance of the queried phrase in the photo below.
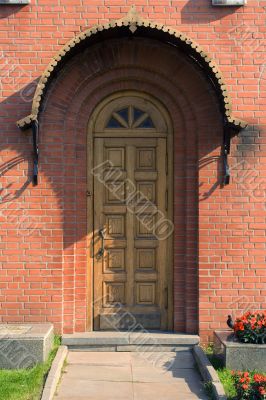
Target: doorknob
(101, 250)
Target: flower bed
(248, 386)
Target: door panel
(130, 274)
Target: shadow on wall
(63, 175)
(240, 158)
(17, 172)
(12, 190)
(6, 10)
(192, 13)
(16, 167)
(219, 182)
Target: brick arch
(133, 24)
(67, 107)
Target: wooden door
(131, 232)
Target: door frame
(90, 199)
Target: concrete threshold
(129, 341)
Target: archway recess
(133, 25)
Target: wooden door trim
(90, 211)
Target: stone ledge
(95, 339)
(228, 338)
(23, 346)
(236, 355)
(208, 373)
(126, 341)
(54, 374)
(163, 338)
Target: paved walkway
(130, 376)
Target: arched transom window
(129, 114)
(130, 117)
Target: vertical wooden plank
(170, 240)
(98, 224)
(130, 229)
(162, 260)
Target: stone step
(129, 341)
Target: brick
(226, 224)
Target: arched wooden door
(132, 203)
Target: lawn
(26, 384)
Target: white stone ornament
(11, 2)
(225, 3)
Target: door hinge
(166, 298)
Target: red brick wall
(220, 231)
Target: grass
(224, 374)
(26, 384)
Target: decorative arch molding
(133, 25)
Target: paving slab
(103, 358)
(114, 373)
(130, 376)
(182, 377)
(164, 360)
(164, 391)
(95, 390)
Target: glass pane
(137, 114)
(113, 123)
(124, 114)
(147, 123)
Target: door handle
(101, 250)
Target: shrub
(251, 327)
(249, 387)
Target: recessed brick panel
(219, 238)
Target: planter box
(23, 346)
(239, 356)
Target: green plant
(249, 386)
(251, 327)
(26, 384)
(259, 386)
(226, 379)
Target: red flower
(254, 387)
(259, 378)
(262, 390)
(239, 326)
(250, 322)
